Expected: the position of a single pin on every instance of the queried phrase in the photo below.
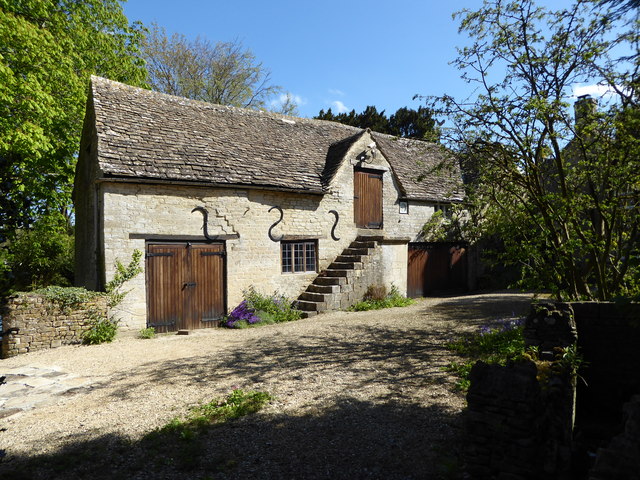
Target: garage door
(185, 285)
(436, 268)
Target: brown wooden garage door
(185, 285)
(436, 268)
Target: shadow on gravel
(476, 309)
(354, 440)
(393, 355)
(400, 431)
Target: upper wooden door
(367, 198)
(185, 285)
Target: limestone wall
(42, 325)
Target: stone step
(356, 251)
(308, 314)
(363, 244)
(349, 258)
(330, 281)
(323, 288)
(312, 297)
(345, 266)
(307, 306)
(329, 272)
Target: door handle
(188, 284)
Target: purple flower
(242, 312)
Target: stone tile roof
(426, 171)
(150, 135)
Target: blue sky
(341, 54)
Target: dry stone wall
(520, 418)
(41, 324)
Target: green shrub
(372, 300)
(115, 295)
(257, 309)
(146, 333)
(102, 330)
(67, 298)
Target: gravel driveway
(356, 395)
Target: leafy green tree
(48, 50)
(562, 193)
(406, 122)
(39, 256)
(410, 123)
(225, 73)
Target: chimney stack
(584, 108)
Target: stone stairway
(338, 286)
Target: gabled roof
(150, 135)
(427, 171)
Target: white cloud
(339, 106)
(335, 91)
(282, 99)
(593, 90)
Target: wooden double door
(436, 268)
(185, 285)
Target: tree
(410, 123)
(225, 73)
(563, 194)
(38, 256)
(406, 122)
(48, 50)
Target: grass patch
(237, 404)
(495, 343)
(147, 333)
(377, 298)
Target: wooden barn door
(367, 198)
(416, 271)
(185, 286)
(436, 267)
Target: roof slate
(150, 135)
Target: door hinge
(163, 254)
(211, 254)
(167, 324)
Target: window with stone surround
(299, 256)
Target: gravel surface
(356, 395)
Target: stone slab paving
(30, 387)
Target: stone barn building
(221, 198)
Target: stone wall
(42, 325)
(609, 339)
(520, 416)
(620, 459)
(520, 419)
(518, 428)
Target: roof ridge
(241, 110)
